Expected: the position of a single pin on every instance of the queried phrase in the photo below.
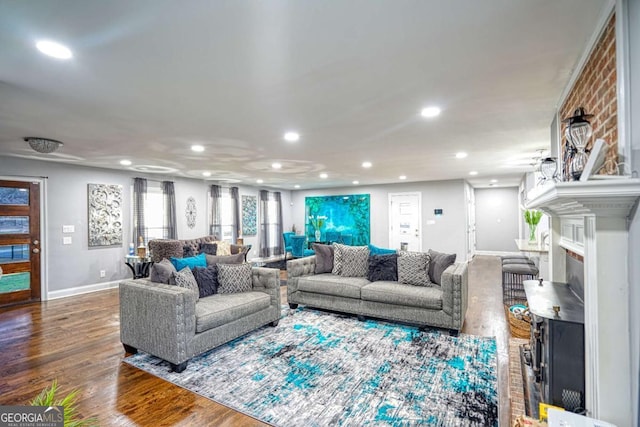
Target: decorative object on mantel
(548, 170)
(43, 145)
(596, 160)
(532, 218)
(578, 133)
(191, 212)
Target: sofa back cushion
(324, 258)
(353, 260)
(161, 271)
(438, 264)
(413, 268)
(383, 268)
(225, 259)
(234, 278)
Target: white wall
(497, 213)
(448, 234)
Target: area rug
(323, 369)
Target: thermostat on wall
(437, 212)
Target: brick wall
(596, 91)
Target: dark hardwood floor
(76, 341)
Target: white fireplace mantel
(603, 206)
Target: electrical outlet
(103, 274)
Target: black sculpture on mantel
(578, 133)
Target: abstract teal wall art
(344, 218)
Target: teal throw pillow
(191, 262)
(374, 250)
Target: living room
(37, 101)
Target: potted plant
(532, 218)
(47, 397)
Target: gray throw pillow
(207, 279)
(383, 267)
(355, 261)
(234, 278)
(324, 258)
(161, 271)
(208, 248)
(225, 259)
(338, 250)
(187, 251)
(413, 268)
(438, 264)
(184, 279)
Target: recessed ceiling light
(291, 136)
(324, 175)
(296, 186)
(197, 148)
(494, 181)
(206, 173)
(473, 173)
(53, 49)
(461, 155)
(430, 112)
(276, 165)
(125, 162)
(403, 177)
(356, 182)
(259, 181)
(366, 164)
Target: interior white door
(471, 221)
(405, 221)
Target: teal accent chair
(286, 236)
(298, 244)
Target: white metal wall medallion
(191, 212)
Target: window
(273, 236)
(226, 217)
(154, 213)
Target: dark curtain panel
(278, 249)
(264, 223)
(215, 221)
(139, 197)
(235, 217)
(169, 197)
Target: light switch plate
(68, 228)
(67, 240)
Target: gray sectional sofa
(442, 306)
(169, 322)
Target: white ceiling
(149, 78)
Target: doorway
(19, 242)
(405, 221)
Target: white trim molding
(79, 290)
(602, 209)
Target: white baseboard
(63, 293)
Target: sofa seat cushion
(401, 294)
(331, 284)
(220, 309)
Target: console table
(139, 266)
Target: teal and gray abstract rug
(325, 369)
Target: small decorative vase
(532, 233)
(317, 235)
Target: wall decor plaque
(105, 215)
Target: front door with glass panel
(405, 221)
(19, 242)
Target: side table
(139, 266)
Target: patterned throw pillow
(234, 278)
(383, 267)
(207, 279)
(338, 250)
(413, 268)
(224, 248)
(324, 258)
(184, 278)
(161, 271)
(355, 261)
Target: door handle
(36, 251)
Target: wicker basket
(520, 328)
